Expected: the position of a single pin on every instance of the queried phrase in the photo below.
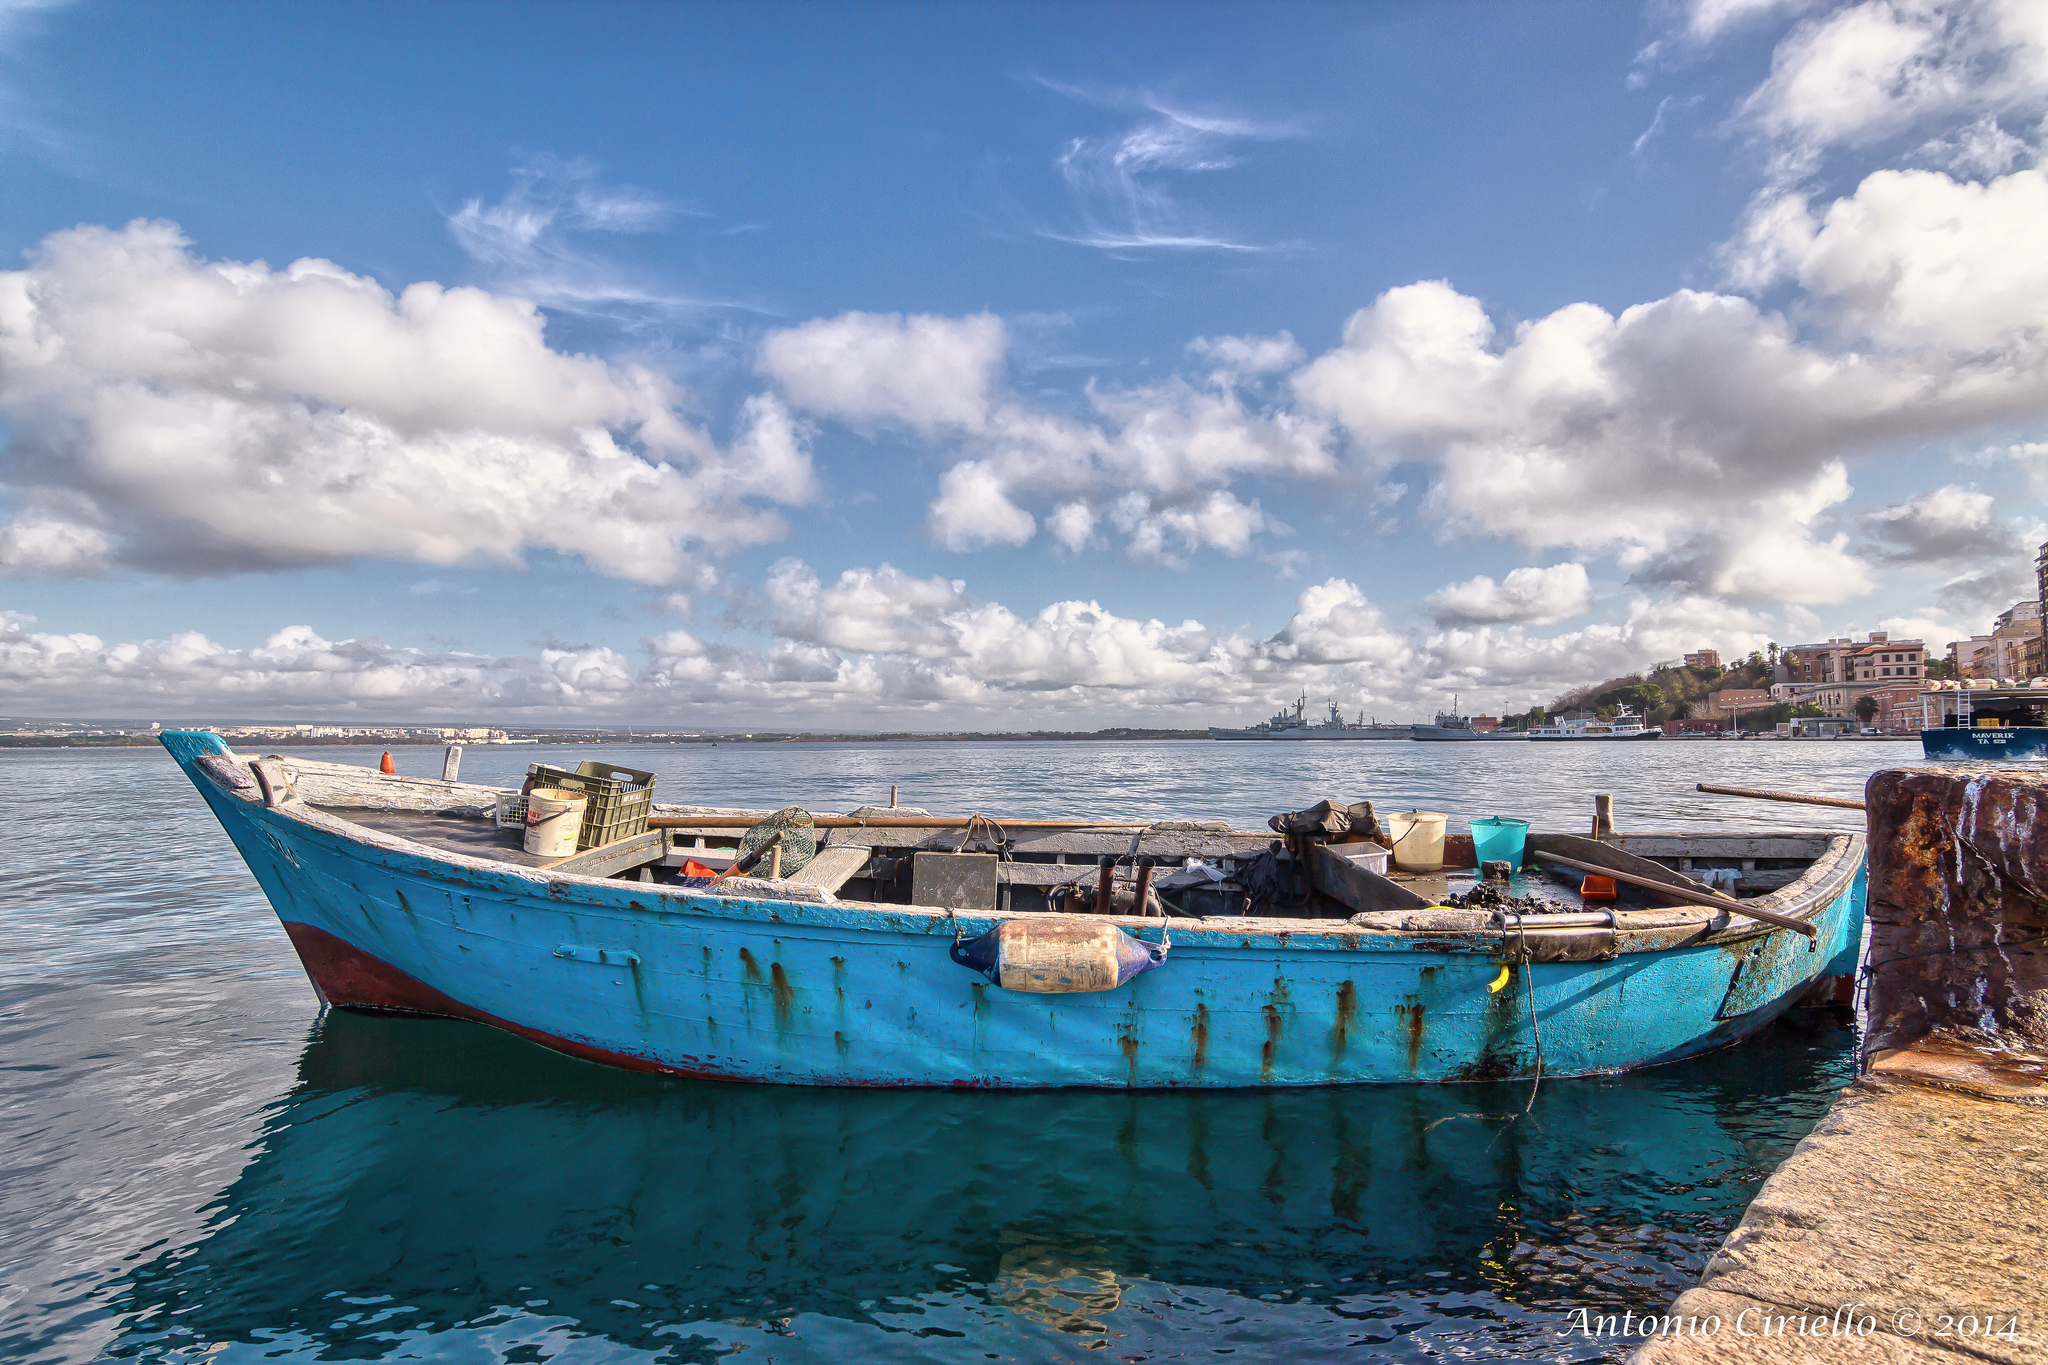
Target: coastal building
(1885, 658)
(2016, 641)
(1898, 708)
(1711, 658)
(1815, 727)
(1734, 701)
(1836, 700)
(1696, 725)
(1843, 659)
(1971, 658)
(2013, 649)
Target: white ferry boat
(1293, 723)
(1625, 725)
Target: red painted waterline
(346, 977)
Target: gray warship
(1292, 722)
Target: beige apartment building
(1884, 659)
(1877, 658)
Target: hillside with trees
(1661, 693)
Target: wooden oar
(1842, 801)
(751, 861)
(1678, 893)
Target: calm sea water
(195, 1164)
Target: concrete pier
(1912, 1223)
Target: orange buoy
(387, 765)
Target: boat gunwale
(1823, 881)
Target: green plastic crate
(619, 799)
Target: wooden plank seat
(831, 869)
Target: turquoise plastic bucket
(1496, 838)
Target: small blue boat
(403, 895)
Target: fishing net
(799, 838)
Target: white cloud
(1531, 595)
(1072, 524)
(1163, 535)
(870, 611)
(1864, 72)
(1695, 428)
(871, 644)
(1158, 466)
(929, 373)
(40, 543)
(980, 645)
(1156, 462)
(294, 671)
(1707, 20)
(1978, 595)
(1916, 259)
(1335, 623)
(1977, 151)
(1488, 658)
(879, 646)
(974, 509)
(1235, 357)
(220, 415)
(1946, 525)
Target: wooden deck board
(831, 869)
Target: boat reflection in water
(441, 1189)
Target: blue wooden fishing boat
(916, 951)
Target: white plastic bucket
(1418, 837)
(554, 818)
(1369, 856)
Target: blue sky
(927, 366)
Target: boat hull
(665, 979)
(1977, 744)
(1596, 739)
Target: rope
(989, 831)
(1535, 1026)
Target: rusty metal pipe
(1138, 905)
(1102, 885)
